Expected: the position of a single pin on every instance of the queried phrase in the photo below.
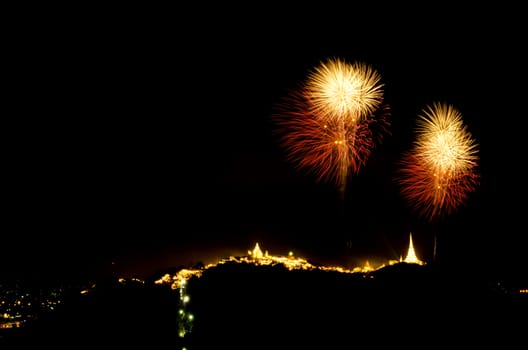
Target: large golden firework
(344, 91)
(440, 171)
(331, 124)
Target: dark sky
(132, 135)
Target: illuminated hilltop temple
(291, 262)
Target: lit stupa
(257, 252)
(411, 255)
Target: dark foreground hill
(244, 306)
(403, 305)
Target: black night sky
(148, 142)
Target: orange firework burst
(441, 170)
(319, 133)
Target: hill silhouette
(243, 305)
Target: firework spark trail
(433, 195)
(440, 172)
(343, 91)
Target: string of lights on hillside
(291, 262)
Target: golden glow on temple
(256, 253)
(411, 255)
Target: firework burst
(343, 91)
(330, 130)
(440, 172)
